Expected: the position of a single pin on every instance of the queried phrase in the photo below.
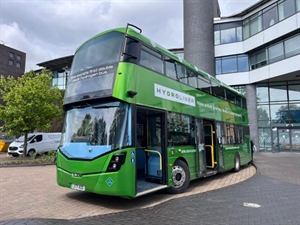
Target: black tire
(31, 152)
(237, 163)
(180, 177)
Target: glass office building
(259, 48)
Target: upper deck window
(102, 50)
(151, 60)
(93, 68)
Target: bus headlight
(116, 162)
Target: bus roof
(146, 40)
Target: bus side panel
(188, 155)
(229, 158)
(118, 183)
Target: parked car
(36, 143)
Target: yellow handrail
(211, 146)
(160, 158)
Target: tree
(30, 103)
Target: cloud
(45, 30)
(48, 29)
(14, 37)
(231, 7)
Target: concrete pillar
(252, 112)
(198, 29)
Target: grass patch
(36, 159)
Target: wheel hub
(178, 176)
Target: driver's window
(37, 138)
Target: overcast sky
(49, 29)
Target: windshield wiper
(85, 97)
(101, 106)
(81, 106)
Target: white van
(36, 143)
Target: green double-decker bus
(138, 119)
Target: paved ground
(223, 199)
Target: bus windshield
(93, 68)
(99, 51)
(104, 127)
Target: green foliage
(30, 103)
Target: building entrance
(286, 139)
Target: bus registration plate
(78, 187)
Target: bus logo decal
(173, 95)
(109, 181)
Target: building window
(228, 33)
(60, 79)
(258, 59)
(10, 62)
(19, 57)
(217, 34)
(298, 5)
(278, 93)
(232, 64)
(262, 93)
(255, 23)
(292, 46)
(294, 92)
(18, 64)
(286, 8)
(278, 112)
(11, 55)
(218, 66)
(229, 64)
(246, 28)
(276, 52)
(270, 16)
(243, 64)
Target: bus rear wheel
(237, 163)
(180, 177)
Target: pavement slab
(215, 200)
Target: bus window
(179, 129)
(192, 78)
(229, 132)
(219, 135)
(102, 50)
(151, 59)
(244, 103)
(239, 134)
(218, 90)
(170, 70)
(181, 73)
(231, 97)
(203, 84)
(238, 100)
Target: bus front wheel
(180, 177)
(237, 163)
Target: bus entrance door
(209, 145)
(150, 167)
